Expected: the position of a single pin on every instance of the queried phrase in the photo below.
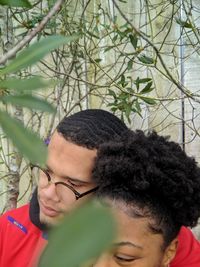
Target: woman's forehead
(135, 229)
(132, 210)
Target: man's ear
(170, 252)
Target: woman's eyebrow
(127, 243)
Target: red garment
(188, 253)
(20, 239)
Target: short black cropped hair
(153, 174)
(90, 128)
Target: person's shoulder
(16, 216)
(18, 212)
(188, 252)
(186, 235)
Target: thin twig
(145, 38)
(12, 53)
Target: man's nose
(50, 192)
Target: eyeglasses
(63, 190)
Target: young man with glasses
(63, 184)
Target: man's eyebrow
(69, 178)
(76, 180)
(127, 243)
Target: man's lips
(48, 210)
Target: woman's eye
(124, 258)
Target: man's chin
(49, 221)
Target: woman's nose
(103, 261)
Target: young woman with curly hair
(153, 188)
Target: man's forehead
(55, 137)
(67, 159)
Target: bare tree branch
(11, 53)
(144, 37)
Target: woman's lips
(48, 211)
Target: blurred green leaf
(16, 3)
(184, 24)
(108, 48)
(28, 101)
(24, 84)
(114, 39)
(83, 235)
(112, 93)
(123, 96)
(143, 80)
(114, 109)
(138, 107)
(128, 109)
(27, 142)
(93, 35)
(147, 89)
(36, 52)
(122, 81)
(98, 60)
(130, 64)
(134, 40)
(139, 81)
(146, 60)
(51, 3)
(148, 100)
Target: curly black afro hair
(154, 174)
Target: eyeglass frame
(76, 193)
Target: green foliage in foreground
(82, 236)
(31, 55)
(19, 93)
(16, 3)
